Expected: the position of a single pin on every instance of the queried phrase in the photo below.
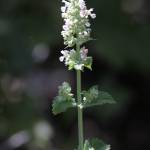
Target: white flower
(84, 98)
(93, 16)
(65, 52)
(83, 53)
(82, 4)
(83, 13)
(67, 4)
(65, 56)
(76, 28)
(66, 27)
(61, 58)
(63, 9)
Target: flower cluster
(76, 31)
(74, 61)
(77, 26)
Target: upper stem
(80, 111)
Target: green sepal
(70, 66)
(72, 60)
(64, 100)
(94, 97)
(88, 63)
(95, 144)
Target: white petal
(62, 52)
(63, 9)
(61, 58)
(88, 24)
(93, 16)
(84, 98)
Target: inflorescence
(76, 31)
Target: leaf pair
(92, 97)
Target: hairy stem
(80, 111)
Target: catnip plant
(76, 32)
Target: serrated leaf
(94, 97)
(61, 106)
(64, 100)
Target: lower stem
(80, 111)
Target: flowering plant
(76, 32)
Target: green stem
(80, 111)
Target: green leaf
(94, 97)
(95, 144)
(64, 100)
(70, 66)
(61, 105)
(99, 145)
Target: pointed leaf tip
(94, 97)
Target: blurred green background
(30, 72)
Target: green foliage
(95, 144)
(64, 100)
(94, 97)
(78, 63)
(73, 60)
(99, 145)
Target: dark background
(30, 72)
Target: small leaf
(99, 145)
(94, 97)
(95, 144)
(88, 63)
(64, 100)
(70, 66)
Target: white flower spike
(76, 17)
